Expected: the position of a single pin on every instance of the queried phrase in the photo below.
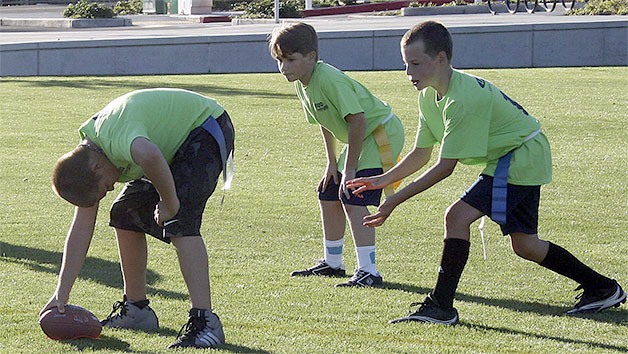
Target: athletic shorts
(522, 209)
(371, 197)
(196, 167)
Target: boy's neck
(306, 80)
(444, 78)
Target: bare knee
(458, 218)
(529, 247)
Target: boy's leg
(438, 306)
(364, 239)
(134, 312)
(193, 262)
(600, 292)
(334, 224)
(133, 253)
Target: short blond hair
(73, 180)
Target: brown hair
(292, 38)
(434, 35)
(73, 180)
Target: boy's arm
(75, 250)
(331, 170)
(412, 162)
(356, 131)
(441, 170)
(148, 156)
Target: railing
(531, 5)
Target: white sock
(333, 253)
(366, 259)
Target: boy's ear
(94, 164)
(442, 57)
(312, 56)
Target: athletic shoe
(430, 312)
(321, 268)
(362, 278)
(598, 299)
(132, 316)
(203, 330)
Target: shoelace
(118, 305)
(359, 274)
(189, 329)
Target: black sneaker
(430, 312)
(598, 299)
(203, 330)
(132, 315)
(362, 278)
(322, 269)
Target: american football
(75, 322)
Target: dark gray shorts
(370, 197)
(196, 167)
(522, 208)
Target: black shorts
(371, 197)
(522, 209)
(196, 167)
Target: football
(75, 322)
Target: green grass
(269, 225)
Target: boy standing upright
(169, 146)
(373, 137)
(477, 124)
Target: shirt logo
(320, 106)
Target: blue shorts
(195, 168)
(522, 209)
(368, 198)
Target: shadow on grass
(137, 83)
(100, 271)
(112, 343)
(614, 316)
(618, 348)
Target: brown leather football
(75, 322)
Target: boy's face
(107, 175)
(422, 69)
(297, 66)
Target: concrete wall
(495, 46)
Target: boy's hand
(166, 211)
(330, 173)
(53, 302)
(380, 216)
(363, 184)
(344, 189)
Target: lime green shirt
(476, 123)
(164, 116)
(331, 96)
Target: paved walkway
(160, 26)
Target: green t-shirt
(476, 123)
(164, 116)
(331, 95)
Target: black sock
(141, 304)
(453, 260)
(559, 260)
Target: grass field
(269, 225)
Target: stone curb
(66, 22)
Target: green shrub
(266, 8)
(128, 7)
(86, 9)
(603, 7)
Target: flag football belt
(385, 153)
(212, 127)
(500, 184)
